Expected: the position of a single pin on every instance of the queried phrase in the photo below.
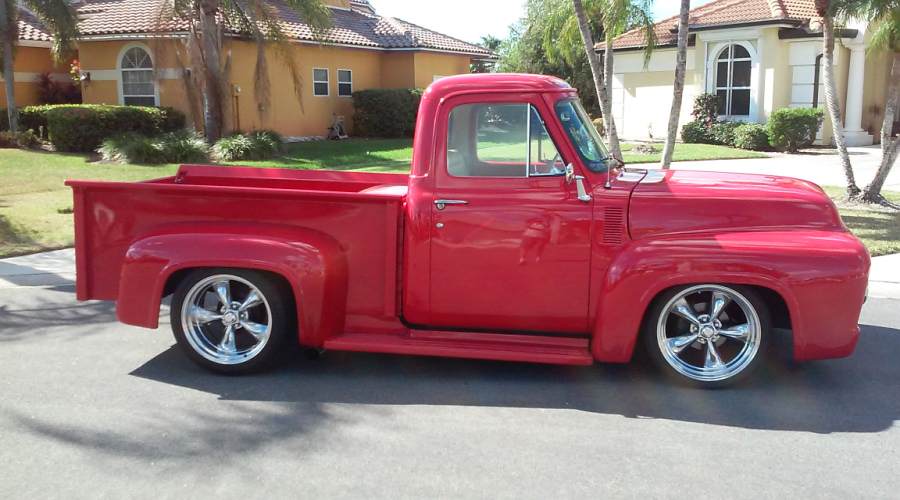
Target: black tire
(744, 368)
(277, 309)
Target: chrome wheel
(709, 333)
(226, 319)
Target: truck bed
(360, 211)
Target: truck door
(510, 246)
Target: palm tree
(57, 16)
(680, 64)
(826, 10)
(884, 25)
(258, 19)
(617, 16)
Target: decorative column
(854, 134)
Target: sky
(471, 19)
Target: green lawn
(688, 152)
(35, 205)
(878, 228)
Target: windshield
(583, 135)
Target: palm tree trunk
(611, 131)
(597, 73)
(890, 147)
(680, 65)
(212, 70)
(9, 75)
(831, 103)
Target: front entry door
(510, 246)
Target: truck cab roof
(497, 82)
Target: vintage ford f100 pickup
(515, 237)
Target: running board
(495, 346)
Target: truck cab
(515, 237)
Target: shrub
(790, 129)
(171, 147)
(696, 132)
(723, 132)
(50, 91)
(26, 139)
(258, 145)
(385, 112)
(35, 118)
(172, 120)
(84, 127)
(706, 109)
(752, 136)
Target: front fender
(821, 275)
(312, 263)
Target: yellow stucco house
(756, 56)
(129, 55)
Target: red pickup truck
(515, 237)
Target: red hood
(679, 201)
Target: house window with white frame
(733, 69)
(345, 82)
(138, 85)
(320, 81)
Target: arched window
(733, 69)
(138, 87)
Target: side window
(500, 140)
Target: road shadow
(857, 394)
(17, 323)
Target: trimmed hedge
(385, 112)
(752, 136)
(791, 129)
(696, 132)
(83, 127)
(170, 147)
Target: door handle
(441, 204)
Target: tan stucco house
(756, 56)
(129, 54)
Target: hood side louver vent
(613, 225)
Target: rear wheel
(232, 320)
(707, 335)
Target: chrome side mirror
(579, 183)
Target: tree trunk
(597, 73)
(9, 75)
(680, 64)
(890, 146)
(834, 111)
(614, 148)
(212, 70)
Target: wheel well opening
(176, 278)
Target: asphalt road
(92, 408)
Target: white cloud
(464, 19)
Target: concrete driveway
(820, 166)
(93, 408)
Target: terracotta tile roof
(722, 13)
(356, 26)
(31, 29)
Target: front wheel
(707, 335)
(232, 320)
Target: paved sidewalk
(822, 166)
(58, 268)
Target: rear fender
(311, 262)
